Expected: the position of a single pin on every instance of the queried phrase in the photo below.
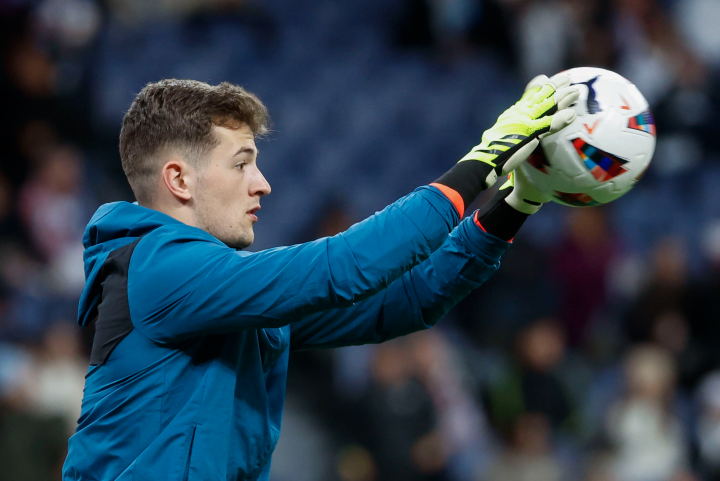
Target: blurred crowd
(593, 354)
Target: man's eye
(241, 166)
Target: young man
(192, 336)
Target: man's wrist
(499, 218)
(467, 178)
(488, 247)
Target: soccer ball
(605, 151)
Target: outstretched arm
(183, 282)
(416, 301)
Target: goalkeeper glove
(524, 196)
(513, 203)
(541, 111)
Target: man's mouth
(251, 212)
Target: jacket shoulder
(179, 233)
(175, 249)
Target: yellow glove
(542, 110)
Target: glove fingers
(537, 82)
(562, 99)
(547, 86)
(566, 96)
(542, 125)
(560, 80)
(545, 93)
(535, 115)
(559, 121)
(545, 107)
(519, 157)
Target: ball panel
(574, 200)
(606, 193)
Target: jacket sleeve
(182, 282)
(416, 301)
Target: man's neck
(182, 212)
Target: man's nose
(260, 186)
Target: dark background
(591, 355)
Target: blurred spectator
(531, 386)
(600, 468)
(653, 54)
(36, 140)
(421, 422)
(59, 374)
(577, 33)
(697, 20)
(55, 211)
(401, 420)
(10, 225)
(665, 291)
(462, 430)
(31, 71)
(582, 261)
(20, 279)
(27, 80)
(647, 436)
(356, 464)
(661, 311)
(529, 457)
(709, 425)
(68, 24)
(51, 205)
(32, 446)
(703, 308)
(672, 332)
(545, 50)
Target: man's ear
(177, 177)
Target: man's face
(229, 188)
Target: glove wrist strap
(498, 218)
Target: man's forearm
(416, 301)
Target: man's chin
(241, 242)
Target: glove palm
(525, 197)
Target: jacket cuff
(453, 196)
(480, 243)
(442, 203)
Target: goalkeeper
(192, 335)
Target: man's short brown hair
(179, 114)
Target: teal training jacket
(189, 361)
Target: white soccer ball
(605, 151)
